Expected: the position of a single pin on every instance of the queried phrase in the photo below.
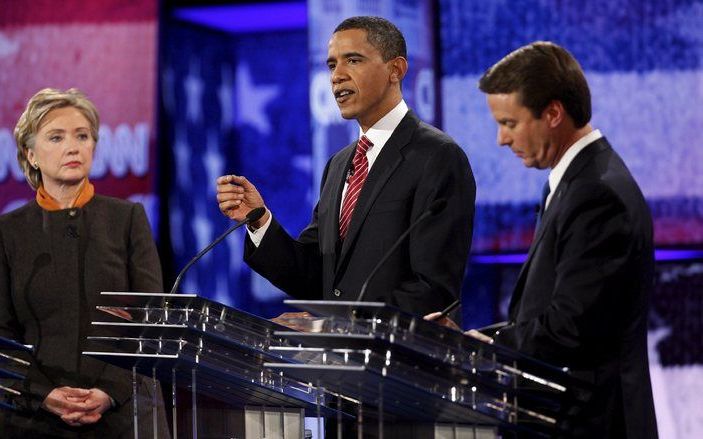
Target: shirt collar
(556, 174)
(381, 131)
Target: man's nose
(502, 138)
(338, 75)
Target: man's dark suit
(418, 165)
(582, 296)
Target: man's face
(527, 136)
(361, 81)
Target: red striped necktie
(360, 169)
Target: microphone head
(437, 206)
(255, 214)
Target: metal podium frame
(412, 369)
(367, 365)
(13, 370)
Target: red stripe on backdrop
(28, 12)
(113, 63)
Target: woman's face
(63, 148)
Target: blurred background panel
(643, 61)
(107, 49)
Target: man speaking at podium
(372, 191)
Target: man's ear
(399, 67)
(554, 114)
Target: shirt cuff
(257, 235)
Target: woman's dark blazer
(53, 266)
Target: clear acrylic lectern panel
(405, 368)
(14, 362)
(208, 352)
(382, 371)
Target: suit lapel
(544, 224)
(332, 195)
(581, 160)
(386, 163)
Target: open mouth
(342, 95)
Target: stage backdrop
(233, 102)
(643, 60)
(108, 50)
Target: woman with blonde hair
(57, 253)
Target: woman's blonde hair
(31, 120)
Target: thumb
(432, 316)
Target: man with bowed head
(371, 192)
(581, 298)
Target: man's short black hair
(381, 34)
(540, 73)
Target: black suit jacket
(418, 165)
(581, 299)
(53, 266)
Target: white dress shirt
(556, 174)
(378, 134)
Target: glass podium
(13, 371)
(368, 369)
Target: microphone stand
(434, 208)
(251, 217)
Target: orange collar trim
(47, 202)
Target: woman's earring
(36, 166)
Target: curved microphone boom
(436, 207)
(251, 217)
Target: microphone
(251, 217)
(436, 207)
(445, 312)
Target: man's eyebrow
(353, 54)
(347, 55)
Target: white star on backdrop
(252, 100)
(213, 161)
(224, 95)
(189, 285)
(202, 228)
(194, 86)
(302, 162)
(222, 289)
(8, 47)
